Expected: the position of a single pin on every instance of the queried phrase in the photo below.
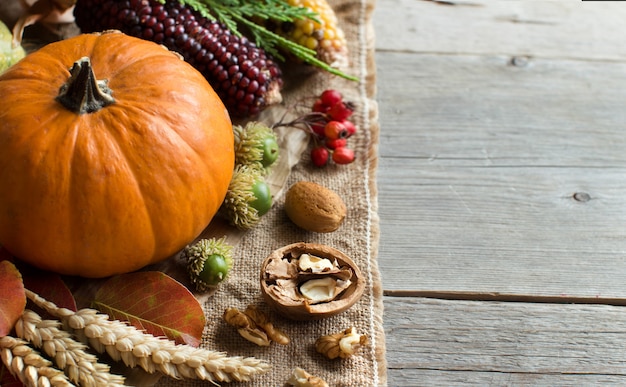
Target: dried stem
(153, 354)
(303, 122)
(69, 355)
(29, 366)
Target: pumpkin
(114, 154)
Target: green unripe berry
(256, 145)
(248, 197)
(215, 269)
(208, 262)
(270, 151)
(263, 197)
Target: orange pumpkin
(127, 181)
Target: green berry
(256, 145)
(248, 197)
(208, 262)
(215, 269)
(263, 197)
(270, 151)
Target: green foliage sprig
(241, 13)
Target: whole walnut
(314, 207)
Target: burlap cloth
(357, 237)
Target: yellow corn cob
(325, 37)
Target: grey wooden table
(502, 191)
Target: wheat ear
(29, 366)
(69, 355)
(135, 348)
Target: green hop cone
(256, 145)
(248, 197)
(208, 262)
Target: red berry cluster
(332, 128)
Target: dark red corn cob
(243, 75)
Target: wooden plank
(551, 29)
(480, 160)
(495, 343)
(471, 110)
(480, 165)
(494, 115)
(512, 230)
(425, 378)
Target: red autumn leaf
(5, 255)
(12, 296)
(154, 302)
(6, 379)
(49, 286)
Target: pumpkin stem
(83, 93)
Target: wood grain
(501, 191)
(484, 110)
(503, 343)
(551, 29)
(503, 177)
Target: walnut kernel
(341, 345)
(301, 378)
(254, 326)
(308, 262)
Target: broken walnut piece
(254, 326)
(246, 327)
(301, 378)
(341, 345)
(262, 321)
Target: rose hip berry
(340, 111)
(320, 156)
(350, 127)
(343, 155)
(320, 107)
(334, 143)
(335, 129)
(330, 97)
(329, 127)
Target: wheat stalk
(69, 355)
(29, 366)
(135, 348)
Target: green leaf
(12, 296)
(154, 302)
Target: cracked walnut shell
(328, 284)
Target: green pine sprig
(241, 13)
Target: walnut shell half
(281, 280)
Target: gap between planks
(495, 296)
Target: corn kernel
(325, 37)
(307, 28)
(297, 34)
(310, 43)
